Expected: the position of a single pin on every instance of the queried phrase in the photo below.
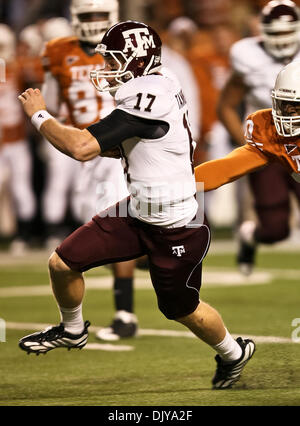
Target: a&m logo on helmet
(138, 40)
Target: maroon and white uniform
(151, 128)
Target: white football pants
(16, 158)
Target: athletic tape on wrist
(40, 117)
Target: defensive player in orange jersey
(272, 136)
(68, 62)
(15, 154)
(256, 61)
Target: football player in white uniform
(150, 130)
(101, 183)
(256, 61)
(98, 183)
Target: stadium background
(154, 368)
(202, 32)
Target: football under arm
(238, 163)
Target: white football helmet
(56, 27)
(7, 43)
(90, 29)
(280, 27)
(32, 39)
(286, 100)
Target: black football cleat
(124, 325)
(227, 374)
(52, 338)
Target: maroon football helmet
(280, 22)
(135, 48)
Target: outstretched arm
(78, 144)
(238, 163)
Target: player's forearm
(224, 170)
(78, 144)
(212, 175)
(69, 140)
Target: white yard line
(107, 347)
(34, 256)
(220, 278)
(142, 332)
(212, 277)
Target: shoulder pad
(60, 42)
(54, 50)
(258, 125)
(246, 52)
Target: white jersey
(184, 73)
(258, 70)
(160, 175)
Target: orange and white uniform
(14, 150)
(101, 181)
(68, 63)
(263, 146)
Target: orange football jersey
(12, 120)
(71, 66)
(263, 145)
(261, 134)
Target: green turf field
(172, 370)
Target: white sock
(72, 319)
(229, 350)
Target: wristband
(40, 117)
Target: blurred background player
(61, 173)
(67, 63)
(256, 62)
(15, 154)
(30, 44)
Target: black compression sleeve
(118, 126)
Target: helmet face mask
(133, 48)
(281, 44)
(286, 101)
(286, 117)
(92, 18)
(114, 74)
(280, 26)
